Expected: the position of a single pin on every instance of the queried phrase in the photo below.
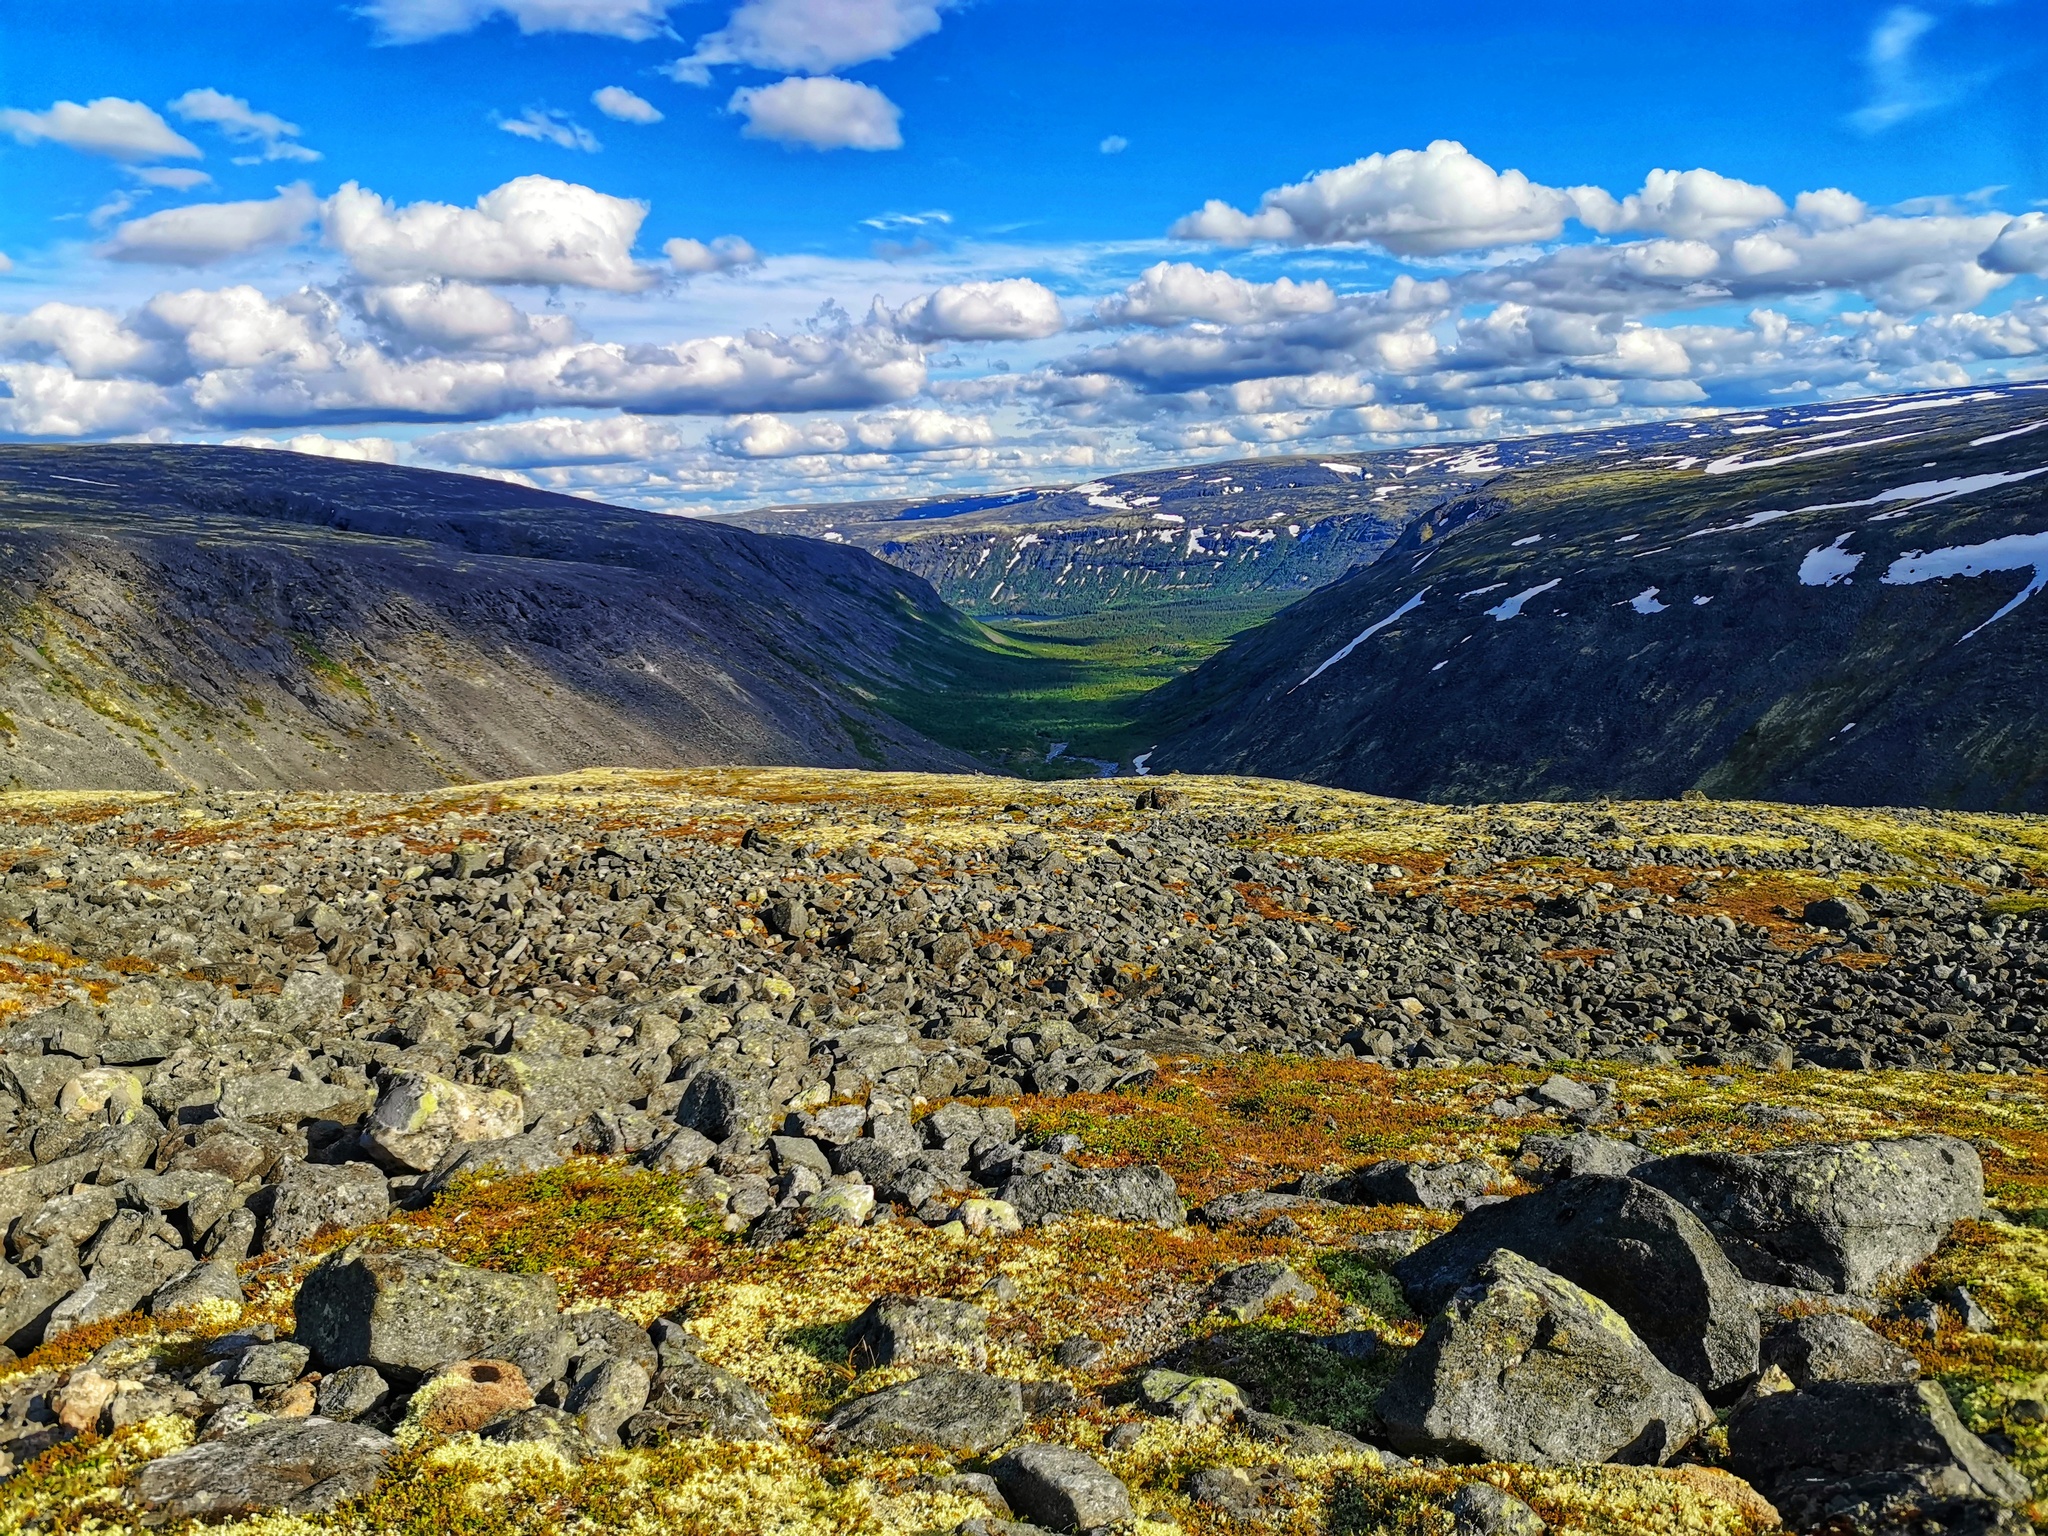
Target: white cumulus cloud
(240, 123)
(724, 254)
(534, 229)
(2022, 246)
(621, 105)
(452, 316)
(1691, 204)
(111, 126)
(201, 233)
(1413, 202)
(415, 21)
(813, 37)
(1169, 292)
(360, 450)
(555, 440)
(821, 112)
(1008, 309)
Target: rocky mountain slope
(219, 616)
(862, 1154)
(1815, 604)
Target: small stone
(1080, 1352)
(1247, 1291)
(846, 1205)
(351, 1392)
(1061, 1488)
(271, 1365)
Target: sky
(726, 253)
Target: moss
(326, 667)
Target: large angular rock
(273, 1099)
(1829, 1218)
(695, 1399)
(955, 1410)
(420, 1116)
(567, 1086)
(313, 1198)
(1061, 1488)
(1434, 1186)
(1872, 1457)
(407, 1310)
(1634, 1247)
(1143, 1194)
(1831, 1347)
(921, 1330)
(534, 1152)
(720, 1102)
(1523, 1365)
(297, 1466)
(118, 1284)
(1248, 1290)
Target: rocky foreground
(803, 1151)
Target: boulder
(1141, 1194)
(1523, 1365)
(721, 1102)
(1244, 1495)
(681, 1151)
(1434, 1186)
(1872, 1457)
(1246, 1291)
(1634, 1247)
(1302, 1439)
(1829, 1218)
(296, 1466)
(1546, 1159)
(316, 1198)
(534, 1152)
(541, 1425)
(407, 1310)
(954, 1410)
(203, 1284)
(566, 1086)
(1831, 1347)
(1480, 1509)
(420, 1116)
(918, 1330)
(695, 1399)
(350, 1393)
(1192, 1400)
(273, 1099)
(607, 1396)
(1061, 1488)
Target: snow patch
(1513, 606)
(2014, 552)
(1999, 437)
(1478, 591)
(1534, 538)
(1830, 563)
(1168, 517)
(1737, 461)
(1362, 636)
(1343, 469)
(1645, 601)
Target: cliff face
(239, 618)
(1823, 604)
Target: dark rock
(955, 1410)
(541, 1425)
(1831, 1218)
(1522, 1365)
(1831, 1347)
(315, 1199)
(350, 1393)
(697, 1399)
(1842, 913)
(1872, 1457)
(1143, 1194)
(1247, 1495)
(1061, 1488)
(1480, 1509)
(916, 1330)
(1434, 1186)
(408, 1310)
(1248, 1290)
(1546, 1159)
(1634, 1247)
(297, 1466)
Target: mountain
(1817, 604)
(245, 618)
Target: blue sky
(745, 250)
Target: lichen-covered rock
(1192, 1400)
(1246, 1291)
(955, 1410)
(1523, 1365)
(408, 1310)
(533, 1152)
(920, 1330)
(608, 1395)
(1062, 1488)
(315, 1198)
(1434, 1186)
(693, 1398)
(1872, 1457)
(1842, 1217)
(1480, 1509)
(1635, 1247)
(1143, 1194)
(1831, 1347)
(421, 1115)
(296, 1466)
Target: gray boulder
(695, 1399)
(1634, 1247)
(313, 1198)
(1480, 1509)
(1061, 1488)
(350, 1393)
(1831, 1347)
(273, 1099)
(919, 1330)
(681, 1151)
(1246, 1291)
(559, 1431)
(1829, 1218)
(216, 1282)
(534, 1152)
(407, 1310)
(1434, 1186)
(569, 1087)
(1872, 1457)
(1143, 1194)
(955, 1410)
(1244, 1495)
(721, 1102)
(1546, 1159)
(297, 1466)
(607, 1396)
(1523, 1365)
(1302, 1439)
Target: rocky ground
(804, 1151)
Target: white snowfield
(1920, 493)
(1512, 608)
(1645, 601)
(1830, 563)
(2014, 552)
(1362, 636)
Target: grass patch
(326, 667)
